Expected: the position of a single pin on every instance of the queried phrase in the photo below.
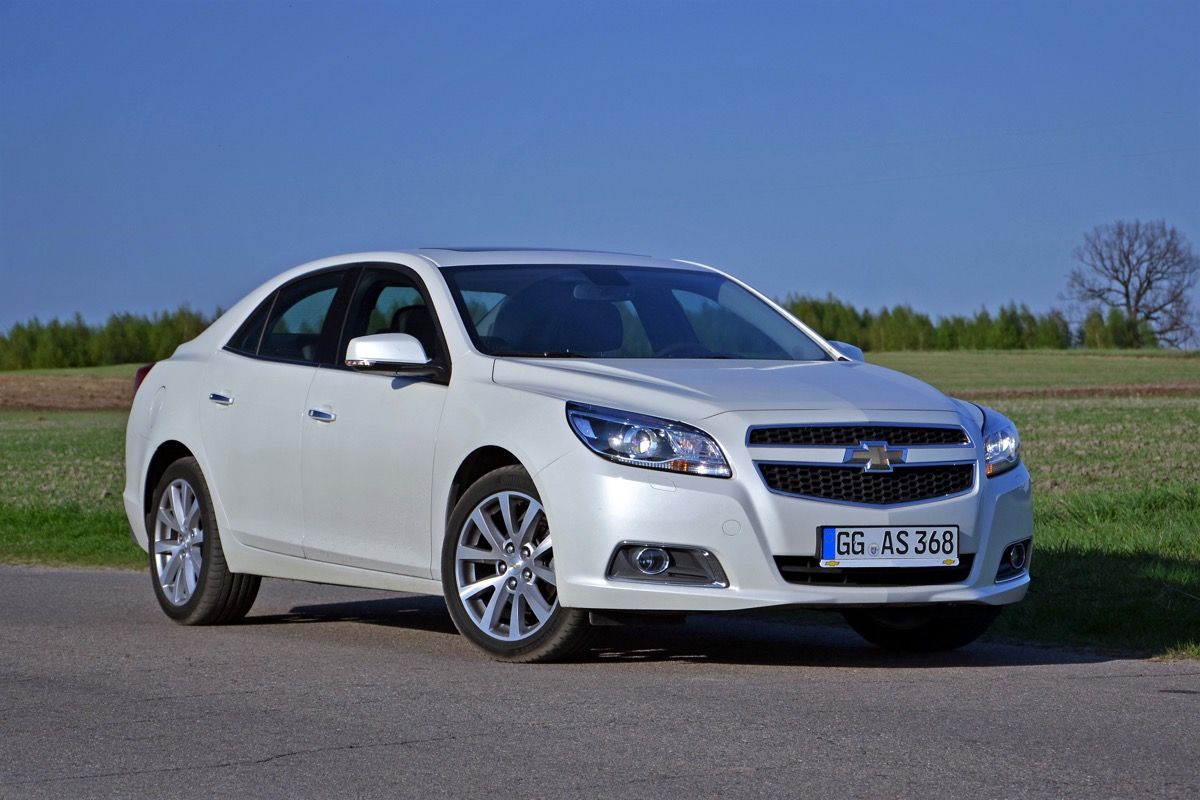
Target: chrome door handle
(220, 399)
(321, 416)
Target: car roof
(495, 256)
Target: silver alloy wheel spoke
(167, 575)
(506, 513)
(467, 553)
(178, 535)
(488, 530)
(503, 571)
(529, 524)
(515, 615)
(543, 574)
(193, 516)
(495, 607)
(538, 605)
(475, 589)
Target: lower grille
(853, 485)
(808, 570)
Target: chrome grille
(851, 435)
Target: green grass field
(1117, 531)
(61, 476)
(1116, 491)
(983, 371)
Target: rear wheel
(498, 573)
(922, 630)
(187, 565)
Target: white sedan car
(557, 439)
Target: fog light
(665, 563)
(1016, 556)
(1014, 561)
(652, 560)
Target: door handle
(220, 399)
(321, 416)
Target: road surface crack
(248, 762)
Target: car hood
(695, 388)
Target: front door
(368, 441)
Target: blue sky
(946, 155)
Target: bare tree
(1145, 269)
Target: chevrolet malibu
(557, 439)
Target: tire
(498, 577)
(923, 630)
(191, 580)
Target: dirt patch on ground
(58, 393)
(1131, 390)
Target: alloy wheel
(178, 540)
(504, 567)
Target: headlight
(1001, 444)
(649, 442)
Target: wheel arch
(478, 463)
(164, 456)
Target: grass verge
(67, 536)
(61, 474)
(1115, 569)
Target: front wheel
(922, 630)
(187, 565)
(498, 573)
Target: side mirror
(389, 353)
(848, 351)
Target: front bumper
(595, 505)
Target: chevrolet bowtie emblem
(875, 456)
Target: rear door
(368, 440)
(254, 407)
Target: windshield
(567, 311)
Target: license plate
(880, 546)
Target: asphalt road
(329, 692)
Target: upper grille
(853, 485)
(851, 435)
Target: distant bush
(1014, 327)
(123, 339)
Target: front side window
(388, 301)
(568, 311)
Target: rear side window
(250, 334)
(298, 319)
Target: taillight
(140, 376)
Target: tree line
(133, 338)
(1013, 327)
(122, 339)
